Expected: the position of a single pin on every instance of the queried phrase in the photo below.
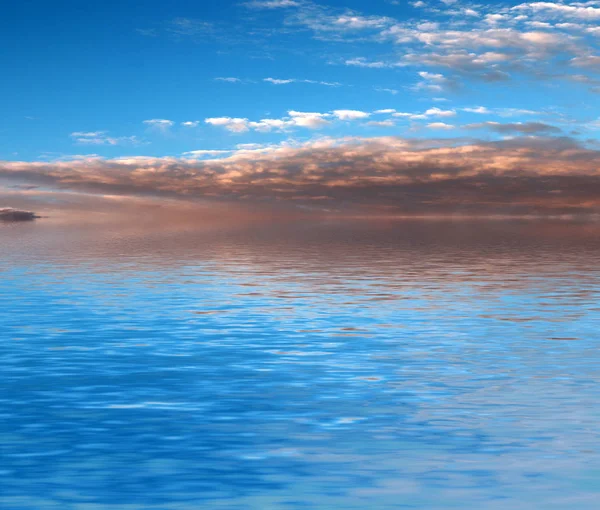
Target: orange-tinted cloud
(355, 175)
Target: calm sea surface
(325, 365)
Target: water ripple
(403, 365)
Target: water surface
(297, 365)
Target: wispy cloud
(228, 79)
(287, 81)
(272, 4)
(363, 62)
(190, 27)
(102, 138)
(278, 81)
(162, 125)
(384, 89)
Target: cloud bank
(386, 175)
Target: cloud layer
(354, 175)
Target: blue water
(333, 365)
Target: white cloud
(350, 114)
(316, 120)
(233, 124)
(250, 146)
(439, 125)
(160, 124)
(477, 109)
(362, 22)
(575, 10)
(437, 112)
(297, 119)
(276, 81)
(88, 134)
(590, 61)
(266, 125)
(492, 19)
(191, 123)
(428, 25)
(431, 112)
(326, 83)
(204, 152)
(309, 119)
(538, 24)
(530, 42)
(432, 82)
(412, 116)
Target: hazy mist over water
(295, 364)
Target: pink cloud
(364, 174)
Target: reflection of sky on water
(406, 365)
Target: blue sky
(185, 80)
(109, 66)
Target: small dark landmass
(10, 214)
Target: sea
(325, 363)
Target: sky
(345, 106)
